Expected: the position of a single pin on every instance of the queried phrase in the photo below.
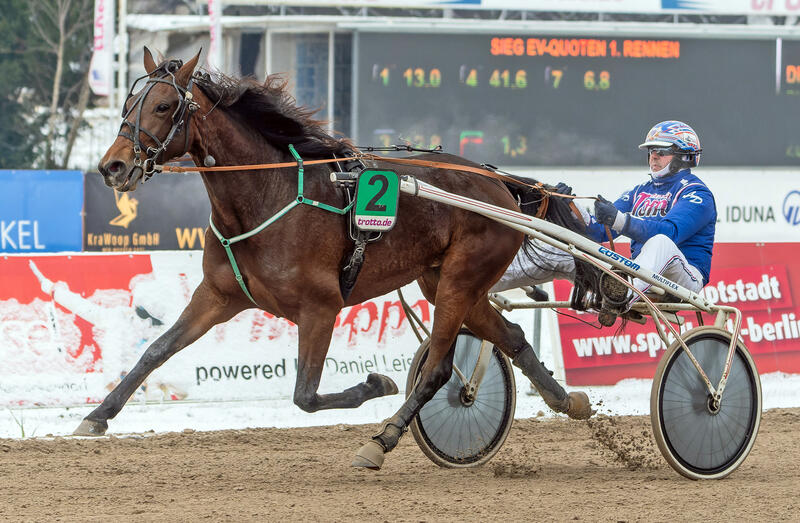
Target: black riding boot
(553, 394)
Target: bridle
(164, 73)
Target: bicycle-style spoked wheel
(454, 430)
(699, 440)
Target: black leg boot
(575, 404)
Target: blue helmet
(678, 136)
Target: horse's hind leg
(487, 323)
(205, 310)
(314, 337)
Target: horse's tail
(531, 199)
(586, 293)
(560, 211)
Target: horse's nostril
(115, 167)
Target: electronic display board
(560, 101)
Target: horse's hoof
(370, 456)
(90, 427)
(579, 406)
(385, 384)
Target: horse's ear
(149, 63)
(185, 72)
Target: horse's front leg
(434, 374)
(314, 336)
(205, 310)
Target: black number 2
(373, 203)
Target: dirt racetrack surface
(606, 469)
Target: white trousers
(548, 264)
(660, 254)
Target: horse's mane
(270, 109)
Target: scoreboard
(545, 100)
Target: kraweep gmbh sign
(167, 213)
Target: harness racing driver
(670, 220)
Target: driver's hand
(563, 188)
(604, 211)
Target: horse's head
(155, 125)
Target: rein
(540, 213)
(404, 161)
(359, 156)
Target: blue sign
(40, 211)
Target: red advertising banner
(72, 325)
(33, 321)
(763, 280)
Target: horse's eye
(162, 108)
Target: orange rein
(405, 161)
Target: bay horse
(292, 268)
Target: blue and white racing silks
(679, 206)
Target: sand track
(552, 469)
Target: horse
(292, 268)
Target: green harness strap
(227, 242)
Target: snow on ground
(628, 397)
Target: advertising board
(170, 212)
(762, 280)
(40, 211)
(72, 326)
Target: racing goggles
(660, 151)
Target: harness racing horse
(292, 267)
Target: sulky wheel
(454, 429)
(698, 439)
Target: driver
(670, 219)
